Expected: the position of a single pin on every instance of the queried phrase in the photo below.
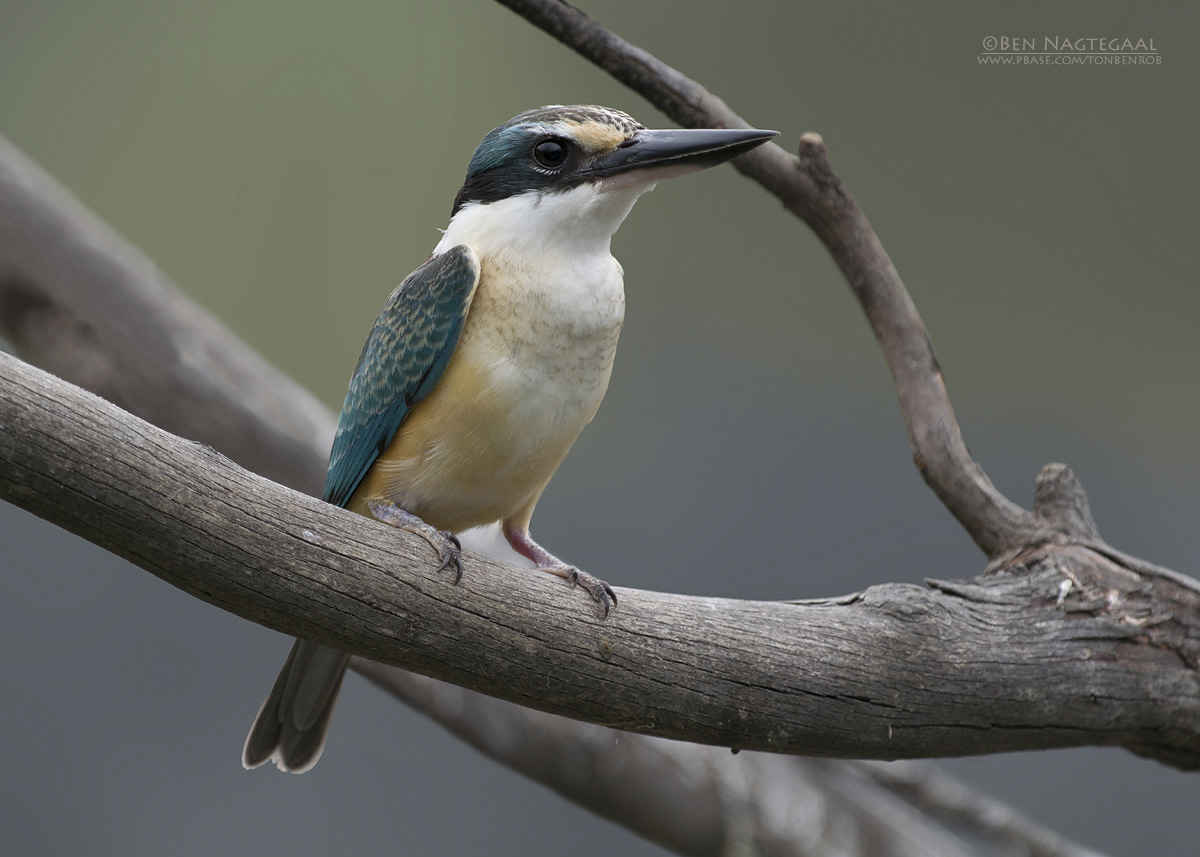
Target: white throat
(578, 222)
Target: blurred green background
(289, 162)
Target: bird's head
(580, 168)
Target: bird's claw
(600, 591)
(450, 551)
(447, 545)
(518, 538)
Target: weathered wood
(1065, 648)
(79, 301)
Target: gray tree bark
(80, 302)
(1065, 648)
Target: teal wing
(401, 362)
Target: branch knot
(1060, 500)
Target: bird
(487, 361)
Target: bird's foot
(447, 545)
(600, 591)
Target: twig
(810, 189)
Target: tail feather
(293, 723)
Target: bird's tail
(293, 723)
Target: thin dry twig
(808, 187)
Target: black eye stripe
(540, 162)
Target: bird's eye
(551, 154)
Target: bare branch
(84, 304)
(721, 803)
(943, 797)
(897, 671)
(809, 188)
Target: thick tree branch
(79, 301)
(809, 188)
(1074, 650)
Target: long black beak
(679, 150)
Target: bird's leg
(518, 538)
(446, 544)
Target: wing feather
(402, 361)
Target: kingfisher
(487, 361)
